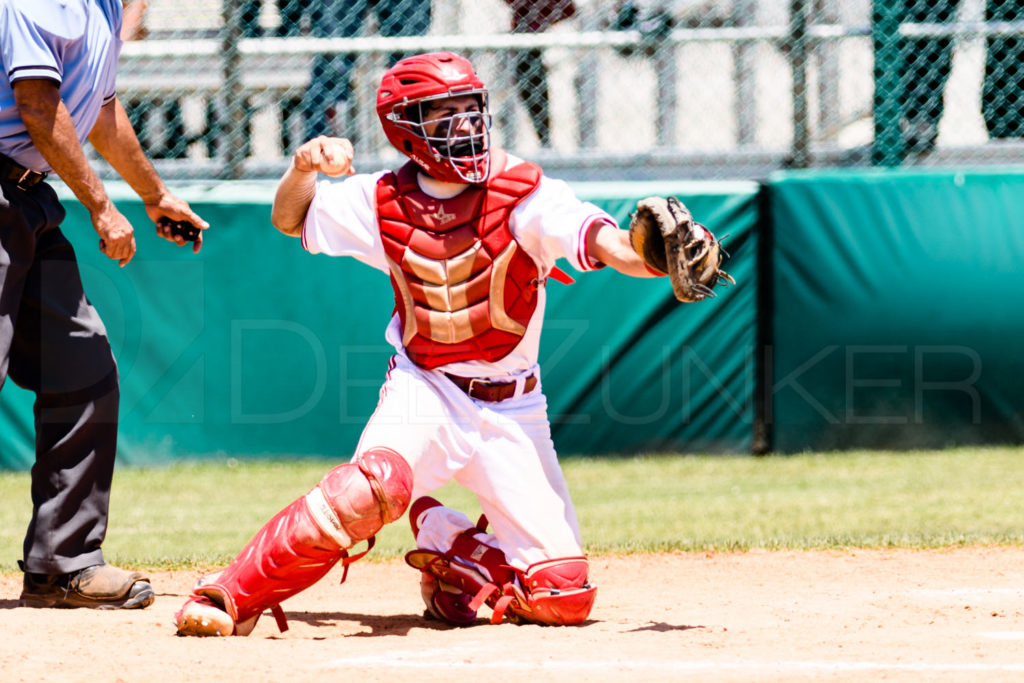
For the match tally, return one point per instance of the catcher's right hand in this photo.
(663, 233)
(327, 155)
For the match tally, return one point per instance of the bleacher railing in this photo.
(724, 101)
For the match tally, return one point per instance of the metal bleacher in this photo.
(770, 84)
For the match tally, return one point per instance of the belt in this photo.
(13, 172)
(486, 390)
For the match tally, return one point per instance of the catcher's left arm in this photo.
(608, 244)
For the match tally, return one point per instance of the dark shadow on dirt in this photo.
(398, 624)
(401, 624)
(661, 627)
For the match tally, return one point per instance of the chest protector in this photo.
(464, 289)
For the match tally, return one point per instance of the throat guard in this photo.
(464, 289)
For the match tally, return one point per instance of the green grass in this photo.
(202, 514)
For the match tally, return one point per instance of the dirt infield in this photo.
(765, 616)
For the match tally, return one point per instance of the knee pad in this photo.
(555, 592)
(353, 501)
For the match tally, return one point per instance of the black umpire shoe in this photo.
(99, 587)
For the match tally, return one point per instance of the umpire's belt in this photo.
(13, 172)
(486, 390)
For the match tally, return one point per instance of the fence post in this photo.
(664, 61)
(233, 108)
(885, 26)
(798, 61)
(508, 123)
(827, 61)
(745, 74)
(586, 83)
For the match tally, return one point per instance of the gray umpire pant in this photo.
(53, 343)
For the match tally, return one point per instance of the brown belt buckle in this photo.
(27, 175)
(472, 382)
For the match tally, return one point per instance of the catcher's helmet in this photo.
(447, 155)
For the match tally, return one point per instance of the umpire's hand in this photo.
(117, 237)
(170, 206)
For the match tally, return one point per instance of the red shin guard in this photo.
(301, 543)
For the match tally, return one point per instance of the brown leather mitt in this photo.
(662, 231)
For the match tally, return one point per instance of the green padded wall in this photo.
(646, 372)
(257, 348)
(897, 309)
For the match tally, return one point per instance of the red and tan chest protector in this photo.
(464, 289)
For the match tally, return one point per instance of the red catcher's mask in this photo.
(451, 154)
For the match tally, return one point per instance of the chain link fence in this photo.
(591, 89)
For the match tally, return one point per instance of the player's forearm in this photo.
(115, 139)
(53, 134)
(610, 245)
(291, 202)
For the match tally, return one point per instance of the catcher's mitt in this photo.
(662, 231)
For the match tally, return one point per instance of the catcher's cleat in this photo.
(446, 602)
(202, 617)
(101, 586)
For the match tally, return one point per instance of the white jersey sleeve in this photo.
(552, 223)
(342, 220)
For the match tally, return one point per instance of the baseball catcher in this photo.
(468, 236)
(662, 231)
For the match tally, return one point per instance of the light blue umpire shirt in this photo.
(73, 42)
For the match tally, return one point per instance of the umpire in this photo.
(59, 64)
